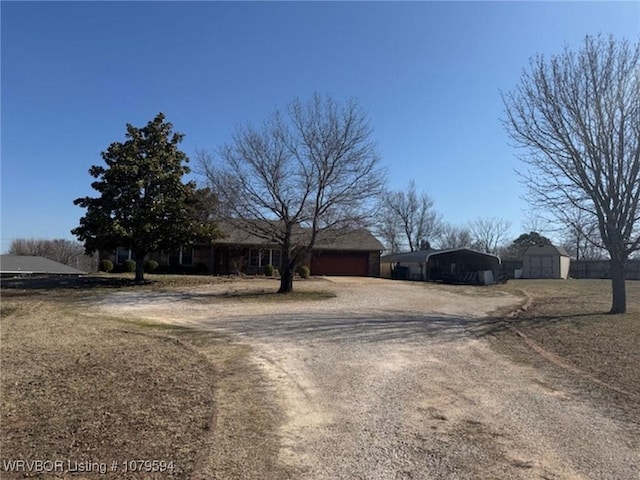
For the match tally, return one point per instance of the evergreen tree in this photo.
(143, 203)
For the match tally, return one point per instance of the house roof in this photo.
(239, 232)
(25, 264)
(358, 239)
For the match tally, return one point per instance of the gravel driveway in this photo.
(395, 380)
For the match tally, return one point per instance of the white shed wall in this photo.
(565, 264)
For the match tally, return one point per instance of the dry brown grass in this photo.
(86, 388)
(567, 319)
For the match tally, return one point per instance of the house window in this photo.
(122, 255)
(255, 257)
(267, 256)
(276, 259)
(183, 256)
(186, 256)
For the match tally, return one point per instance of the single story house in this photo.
(545, 261)
(457, 265)
(354, 252)
(27, 265)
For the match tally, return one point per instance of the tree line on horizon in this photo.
(408, 221)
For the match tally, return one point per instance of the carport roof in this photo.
(25, 264)
(409, 257)
(465, 250)
(423, 255)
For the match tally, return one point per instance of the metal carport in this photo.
(463, 266)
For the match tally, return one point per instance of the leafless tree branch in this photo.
(576, 117)
(315, 166)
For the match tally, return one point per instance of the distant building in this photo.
(545, 261)
(456, 265)
(26, 265)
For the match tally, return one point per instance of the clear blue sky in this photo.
(428, 74)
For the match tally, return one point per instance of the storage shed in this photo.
(545, 261)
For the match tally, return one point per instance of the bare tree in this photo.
(452, 236)
(577, 116)
(388, 229)
(537, 221)
(489, 233)
(409, 215)
(315, 166)
(580, 236)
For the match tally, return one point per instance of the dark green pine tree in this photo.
(143, 203)
(519, 246)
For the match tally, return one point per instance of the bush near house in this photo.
(150, 266)
(303, 271)
(106, 266)
(129, 265)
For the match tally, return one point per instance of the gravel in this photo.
(395, 380)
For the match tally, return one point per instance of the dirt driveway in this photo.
(394, 380)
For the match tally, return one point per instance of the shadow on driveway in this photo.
(356, 328)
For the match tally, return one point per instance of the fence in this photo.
(508, 268)
(601, 269)
(581, 269)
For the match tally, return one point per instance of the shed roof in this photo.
(546, 250)
(26, 264)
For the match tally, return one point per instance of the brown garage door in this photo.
(340, 263)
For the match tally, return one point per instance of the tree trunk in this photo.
(286, 279)
(288, 264)
(619, 303)
(139, 258)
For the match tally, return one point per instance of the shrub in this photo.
(303, 271)
(268, 270)
(106, 265)
(129, 265)
(276, 272)
(150, 266)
